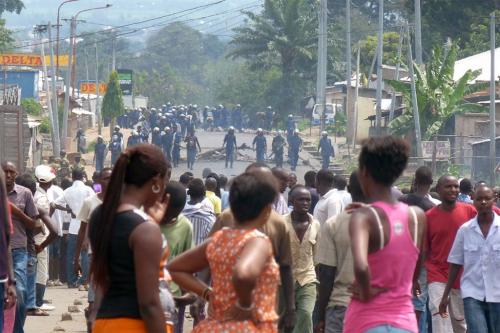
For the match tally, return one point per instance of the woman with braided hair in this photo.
(127, 246)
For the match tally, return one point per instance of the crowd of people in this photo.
(261, 252)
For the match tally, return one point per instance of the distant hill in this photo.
(129, 11)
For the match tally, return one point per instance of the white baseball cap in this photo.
(44, 174)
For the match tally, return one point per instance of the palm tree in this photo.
(439, 97)
(283, 35)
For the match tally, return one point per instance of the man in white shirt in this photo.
(72, 201)
(476, 249)
(199, 211)
(330, 203)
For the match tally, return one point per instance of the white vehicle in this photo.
(331, 110)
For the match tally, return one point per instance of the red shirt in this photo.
(442, 227)
(496, 210)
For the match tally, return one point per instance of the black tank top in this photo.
(120, 300)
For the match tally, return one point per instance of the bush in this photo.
(45, 125)
(31, 106)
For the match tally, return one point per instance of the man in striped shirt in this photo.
(199, 211)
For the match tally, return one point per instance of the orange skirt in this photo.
(124, 325)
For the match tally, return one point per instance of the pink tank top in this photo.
(391, 267)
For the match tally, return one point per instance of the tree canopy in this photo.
(112, 103)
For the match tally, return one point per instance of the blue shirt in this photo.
(260, 142)
(480, 258)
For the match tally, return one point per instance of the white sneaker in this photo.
(46, 307)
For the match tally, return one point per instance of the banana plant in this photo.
(439, 96)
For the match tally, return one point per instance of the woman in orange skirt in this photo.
(244, 273)
(127, 246)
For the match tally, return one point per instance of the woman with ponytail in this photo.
(127, 246)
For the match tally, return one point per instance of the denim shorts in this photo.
(386, 329)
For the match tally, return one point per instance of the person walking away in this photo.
(176, 146)
(277, 230)
(89, 205)
(192, 147)
(475, 249)
(127, 246)
(335, 266)
(7, 278)
(310, 183)
(329, 203)
(340, 184)
(231, 147)
(295, 144)
(443, 222)
(244, 272)
(278, 147)
(211, 188)
(465, 191)
(178, 232)
(81, 141)
(259, 144)
(421, 198)
(386, 243)
(326, 148)
(71, 201)
(304, 234)
(24, 213)
(167, 142)
(100, 152)
(280, 206)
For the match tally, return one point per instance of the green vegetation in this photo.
(45, 126)
(31, 107)
(439, 97)
(112, 103)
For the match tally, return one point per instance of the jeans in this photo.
(20, 263)
(481, 316)
(72, 279)
(386, 329)
(420, 302)
(305, 298)
(31, 283)
(334, 319)
(40, 293)
(179, 325)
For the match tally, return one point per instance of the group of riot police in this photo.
(168, 127)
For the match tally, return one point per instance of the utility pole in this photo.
(418, 33)
(114, 52)
(416, 115)
(64, 133)
(493, 153)
(322, 60)
(55, 96)
(40, 29)
(356, 97)
(348, 56)
(97, 108)
(73, 52)
(380, 52)
(400, 49)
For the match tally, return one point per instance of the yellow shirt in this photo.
(215, 200)
(303, 253)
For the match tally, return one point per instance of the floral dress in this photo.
(222, 253)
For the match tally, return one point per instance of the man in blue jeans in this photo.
(24, 213)
(476, 249)
(72, 201)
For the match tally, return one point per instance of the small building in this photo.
(27, 79)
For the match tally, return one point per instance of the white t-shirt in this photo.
(74, 196)
(88, 207)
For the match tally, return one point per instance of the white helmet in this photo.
(324, 133)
